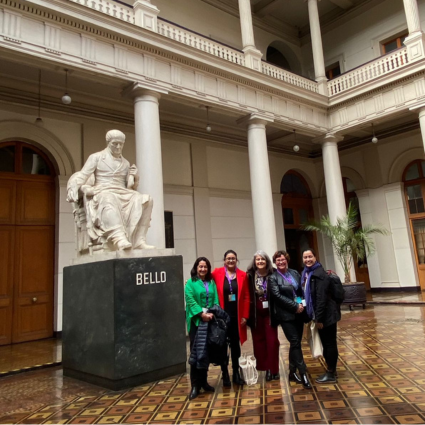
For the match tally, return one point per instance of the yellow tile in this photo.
(198, 405)
(364, 373)
(110, 397)
(221, 412)
(409, 369)
(309, 416)
(250, 402)
(334, 404)
(369, 411)
(169, 416)
(411, 419)
(279, 391)
(409, 390)
(303, 397)
(62, 421)
(420, 381)
(41, 415)
(92, 412)
(176, 399)
(275, 408)
(110, 420)
(356, 394)
(157, 393)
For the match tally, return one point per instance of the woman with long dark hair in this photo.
(233, 293)
(264, 336)
(321, 308)
(200, 295)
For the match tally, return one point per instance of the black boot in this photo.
(208, 387)
(326, 378)
(268, 376)
(194, 393)
(294, 377)
(237, 379)
(276, 376)
(226, 378)
(305, 381)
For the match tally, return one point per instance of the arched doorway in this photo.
(360, 267)
(27, 233)
(414, 191)
(297, 208)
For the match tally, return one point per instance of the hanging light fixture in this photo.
(374, 138)
(66, 98)
(296, 148)
(38, 121)
(208, 127)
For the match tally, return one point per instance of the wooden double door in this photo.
(27, 235)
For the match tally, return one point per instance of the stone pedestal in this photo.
(124, 321)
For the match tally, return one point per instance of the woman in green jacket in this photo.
(200, 295)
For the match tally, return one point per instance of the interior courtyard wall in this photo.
(355, 41)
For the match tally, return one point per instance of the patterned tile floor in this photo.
(381, 380)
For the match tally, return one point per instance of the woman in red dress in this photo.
(233, 294)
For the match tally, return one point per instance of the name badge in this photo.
(204, 310)
(298, 300)
(303, 303)
(265, 304)
(232, 297)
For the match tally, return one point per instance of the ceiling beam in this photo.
(265, 7)
(343, 4)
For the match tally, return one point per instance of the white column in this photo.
(149, 156)
(261, 187)
(252, 55)
(416, 39)
(421, 109)
(422, 124)
(317, 47)
(334, 188)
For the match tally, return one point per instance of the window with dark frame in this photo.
(169, 229)
(333, 71)
(393, 44)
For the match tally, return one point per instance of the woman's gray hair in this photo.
(252, 268)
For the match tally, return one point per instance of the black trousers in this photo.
(293, 331)
(198, 377)
(234, 343)
(330, 347)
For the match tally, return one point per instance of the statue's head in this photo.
(115, 140)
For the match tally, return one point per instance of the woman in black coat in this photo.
(323, 310)
(287, 310)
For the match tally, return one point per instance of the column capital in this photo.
(255, 119)
(328, 138)
(420, 108)
(137, 89)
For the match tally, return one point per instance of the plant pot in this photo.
(355, 293)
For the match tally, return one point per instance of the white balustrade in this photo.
(197, 41)
(368, 72)
(111, 8)
(289, 77)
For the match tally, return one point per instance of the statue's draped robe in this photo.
(113, 209)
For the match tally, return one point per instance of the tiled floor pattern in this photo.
(30, 355)
(381, 380)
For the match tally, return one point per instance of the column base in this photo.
(145, 15)
(322, 84)
(415, 46)
(253, 58)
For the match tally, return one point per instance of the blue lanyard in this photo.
(207, 290)
(230, 280)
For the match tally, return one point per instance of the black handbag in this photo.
(217, 332)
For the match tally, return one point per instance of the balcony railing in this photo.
(111, 8)
(288, 77)
(193, 39)
(369, 71)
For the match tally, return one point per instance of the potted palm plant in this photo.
(351, 242)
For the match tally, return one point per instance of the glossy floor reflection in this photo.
(381, 380)
(29, 355)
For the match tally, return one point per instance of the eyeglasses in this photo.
(231, 259)
(280, 261)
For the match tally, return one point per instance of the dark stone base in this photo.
(124, 321)
(133, 381)
(398, 289)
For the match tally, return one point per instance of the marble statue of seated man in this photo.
(117, 216)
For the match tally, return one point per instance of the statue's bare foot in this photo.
(144, 245)
(124, 245)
